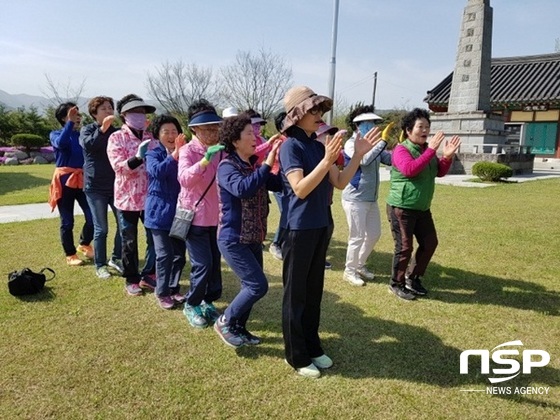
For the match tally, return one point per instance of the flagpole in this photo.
(333, 59)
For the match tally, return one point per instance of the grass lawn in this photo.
(25, 184)
(83, 349)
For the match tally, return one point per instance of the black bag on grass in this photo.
(27, 282)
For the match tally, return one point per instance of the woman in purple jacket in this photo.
(242, 186)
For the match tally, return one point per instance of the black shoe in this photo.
(415, 286)
(400, 291)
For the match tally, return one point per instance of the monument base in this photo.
(483, 139)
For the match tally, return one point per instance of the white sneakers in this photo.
(312, 371)
(353, 279)
(356, 279)
(365, 273)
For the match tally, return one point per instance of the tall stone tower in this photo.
(470, 89)
(469, 112)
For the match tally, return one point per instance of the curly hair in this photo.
(62, 111)
(96, 102)
(279, 120)
(360, 108)
(126, 99)
(230, 131)
(160, 120)
(408, 121)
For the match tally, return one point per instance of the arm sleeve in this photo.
(191, 172)
(62, 139)
(157, 167)
(443, 166)
(118, 156)
(239, 185)
(386, 158)
(410, 167)
(91, 137)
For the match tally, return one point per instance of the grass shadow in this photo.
(45, 295)
(452, 285)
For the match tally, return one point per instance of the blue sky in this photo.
(114, 44)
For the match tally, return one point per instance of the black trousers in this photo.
(303, 275)
(406, 224)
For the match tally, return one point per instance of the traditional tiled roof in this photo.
(516, 82)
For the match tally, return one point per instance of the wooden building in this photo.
(526, 91)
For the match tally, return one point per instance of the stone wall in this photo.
(520, 163)
(16, 156)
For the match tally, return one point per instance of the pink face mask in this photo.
(136, 121)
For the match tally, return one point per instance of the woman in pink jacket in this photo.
(198, 161)
(126, 150)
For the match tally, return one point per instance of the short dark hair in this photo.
(126, 99)
(96, 102)
(279, 120)
(199, 106)
(360, 108)
(408, 121)
(230, 130)
(62, 111)
(161, 120)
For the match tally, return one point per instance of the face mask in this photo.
(136, 121)
(257, 130)
(365, 126)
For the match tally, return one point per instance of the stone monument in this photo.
(469, 112)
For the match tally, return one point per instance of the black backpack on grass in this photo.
(27, 282)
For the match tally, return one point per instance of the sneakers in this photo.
(400, 291)
(209, 312)
(228, 333)
(415, 286)
(165, 302)
(353, 279)
(86, 250)
(310, 371)
(194, 316)
(103, 272)
(178, 297)
(117, 265)
(328, 265)
(133, 289)
(248, 338)
(73, 260)
(322, 362)
(276, 251)
(365, 273)
(147, 283)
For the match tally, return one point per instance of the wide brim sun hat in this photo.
(299, 100)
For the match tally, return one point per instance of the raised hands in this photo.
(107, 121)
(436, 140)
(333, 146)
(275, 141)
(142, 149)
(451, 147)
(364, 144)
(179, 142)
(73, 115)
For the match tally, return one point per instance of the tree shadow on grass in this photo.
(16, 181)
(452, 285)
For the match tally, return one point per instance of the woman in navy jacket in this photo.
(161, 202)
(243, 185)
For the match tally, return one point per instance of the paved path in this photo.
(42, 211)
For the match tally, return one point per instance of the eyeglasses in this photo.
(316, 110)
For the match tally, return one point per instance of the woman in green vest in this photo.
(415, 167)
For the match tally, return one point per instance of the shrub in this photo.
(29, 141)
(491, 171)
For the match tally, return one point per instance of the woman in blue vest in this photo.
(415, 167)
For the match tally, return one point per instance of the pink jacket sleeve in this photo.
(410, 167)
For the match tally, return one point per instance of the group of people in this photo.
(147, 171)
